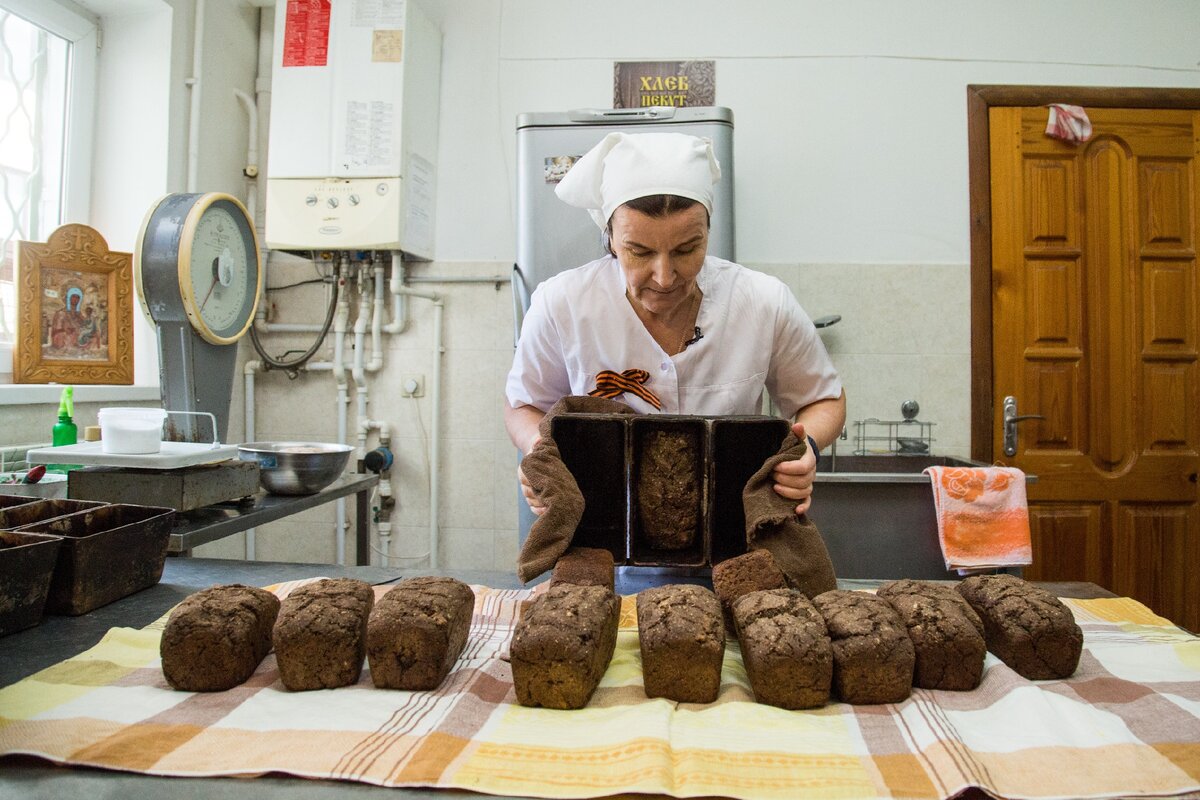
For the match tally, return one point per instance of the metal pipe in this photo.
(460, 279)
(248, 372)
(193, 83)
(376, 362)
(251, 168)
(343, 396)
(399, 301)
(435, 436)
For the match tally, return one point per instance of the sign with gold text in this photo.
(641, 84)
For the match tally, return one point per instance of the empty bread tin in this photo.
(26, 564)
(108, 552)
(20, 515)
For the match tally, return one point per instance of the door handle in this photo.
(1011, 418)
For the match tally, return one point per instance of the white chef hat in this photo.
(626, 166)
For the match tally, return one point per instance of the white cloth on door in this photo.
(624, 167)
(755, 336)
(1068, 123)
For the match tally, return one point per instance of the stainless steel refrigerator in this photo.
(553, 236)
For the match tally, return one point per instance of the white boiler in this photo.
(354, 126)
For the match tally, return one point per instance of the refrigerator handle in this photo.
(620, 114)
(518, 287)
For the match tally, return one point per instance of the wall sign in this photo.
(306, 33)
(640, 84)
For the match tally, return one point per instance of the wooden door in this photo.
(1094, 319)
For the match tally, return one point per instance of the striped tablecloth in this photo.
(1128, 723)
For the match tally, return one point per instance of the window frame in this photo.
(82, 30)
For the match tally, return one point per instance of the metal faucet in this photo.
(833, 450)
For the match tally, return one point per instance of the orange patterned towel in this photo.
(982, 516)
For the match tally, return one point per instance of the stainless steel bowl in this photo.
(296, 467)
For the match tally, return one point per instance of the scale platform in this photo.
(184, 476)
(173, 455)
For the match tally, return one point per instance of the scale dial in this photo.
(197, 254)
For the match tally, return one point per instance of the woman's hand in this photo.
(794, 479)
(535, 505)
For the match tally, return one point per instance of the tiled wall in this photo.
(903, 335)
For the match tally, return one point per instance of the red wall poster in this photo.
(306, 33)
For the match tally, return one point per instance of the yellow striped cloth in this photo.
(1128, 723)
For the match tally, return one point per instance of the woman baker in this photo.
(660, 323)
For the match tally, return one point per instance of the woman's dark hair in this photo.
(652, 205)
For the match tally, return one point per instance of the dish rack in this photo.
(907, 436)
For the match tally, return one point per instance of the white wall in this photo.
(850, 118)
(130, 153)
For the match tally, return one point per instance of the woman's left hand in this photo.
(794, 479)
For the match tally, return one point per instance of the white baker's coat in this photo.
(756, 336)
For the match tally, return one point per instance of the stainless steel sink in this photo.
(876, 515)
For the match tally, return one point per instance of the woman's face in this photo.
(660, 256)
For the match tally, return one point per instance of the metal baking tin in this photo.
(603, 453)
(17, 516)
(108, 552)
(26, 564)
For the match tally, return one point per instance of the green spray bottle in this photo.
(65, 431)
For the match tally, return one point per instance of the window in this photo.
(47, 79)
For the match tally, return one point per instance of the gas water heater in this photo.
(354, 126)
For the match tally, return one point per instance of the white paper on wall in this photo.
(419, 186)
(377, 14)
(369, 134)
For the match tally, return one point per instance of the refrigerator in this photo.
(553, 236)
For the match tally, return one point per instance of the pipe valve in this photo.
(378, 460)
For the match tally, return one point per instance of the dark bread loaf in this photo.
(785, 648)
(668, 495)
(946, 633)
(217, 637)
(562, 645)
(1027, 628)
(321, 634)
(584, 566)
(417, 631)
(750, 572)
(682, 638)
(872, 655)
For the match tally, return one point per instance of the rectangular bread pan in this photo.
(739, 447)
(10, 500)
(18, 516)
(655, 490)
(593, 449)
(26, 564)
(107, 553)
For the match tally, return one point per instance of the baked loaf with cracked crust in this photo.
(946, 633)
(417, 631)
(681, 634)
(217, 637)
(785, 648)
(873, 657)
(668, 495)
(321, 634)
(1027, 628)
(585, 566)
(752, 571)
(562, 645)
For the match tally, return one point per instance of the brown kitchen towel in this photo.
(772, 525)
(553, 484)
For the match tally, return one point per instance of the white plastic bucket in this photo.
(131, 430)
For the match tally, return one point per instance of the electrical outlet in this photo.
(412, 385)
